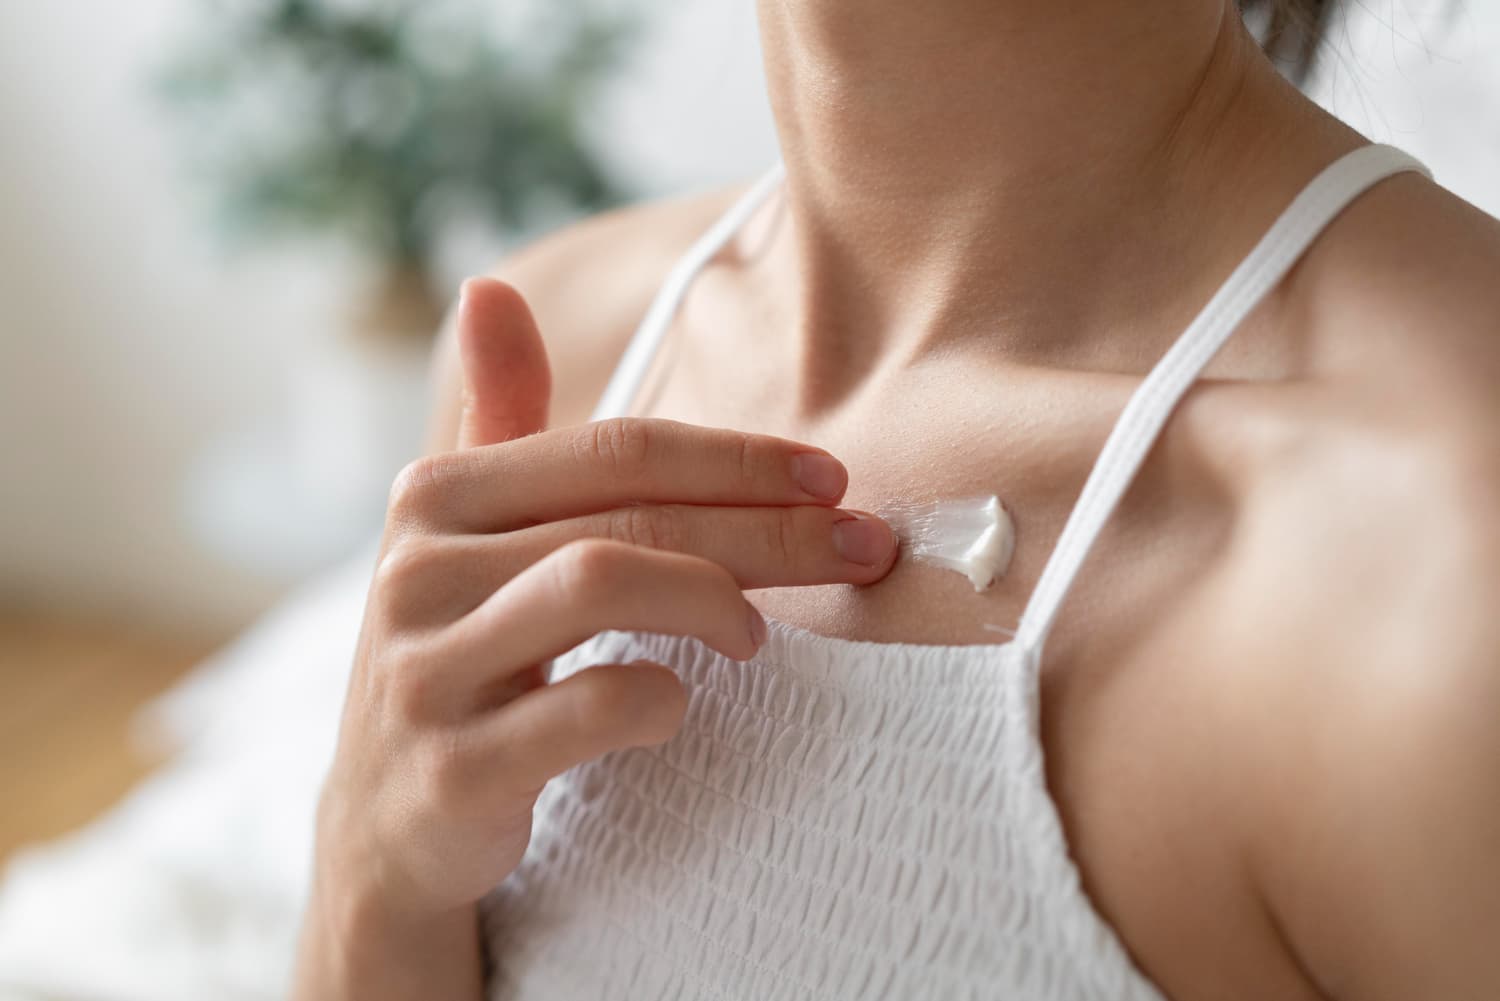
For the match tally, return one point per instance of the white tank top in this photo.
(841, 819)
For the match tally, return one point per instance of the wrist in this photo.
(353, 946)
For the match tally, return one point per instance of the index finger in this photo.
(609, 464)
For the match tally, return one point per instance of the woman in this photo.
(1264, 710)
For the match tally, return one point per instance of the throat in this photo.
(1054, 183)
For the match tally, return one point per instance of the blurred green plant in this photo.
(387, 120)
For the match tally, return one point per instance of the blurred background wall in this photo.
(132, 344)
(135, 352)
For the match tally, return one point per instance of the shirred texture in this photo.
(835, 820)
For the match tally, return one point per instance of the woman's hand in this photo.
(497, 557)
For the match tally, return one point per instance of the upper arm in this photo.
(1378, 848)
(1383, 868)
(588, 287)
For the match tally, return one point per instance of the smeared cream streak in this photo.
(973, 536)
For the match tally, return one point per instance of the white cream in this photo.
(973, 536)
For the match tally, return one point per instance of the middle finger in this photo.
(760, 547)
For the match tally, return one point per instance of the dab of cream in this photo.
(974, 536)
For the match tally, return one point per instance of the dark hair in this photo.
(1291, 31)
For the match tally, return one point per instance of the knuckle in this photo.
(406, 564)
(590, 567)
(651, 527)
(425, 581)
(412, 485)
(405, 680)
(595, 702)
(623, 446)
(441, 771)
(419, 487)
(782, 538)
(413, 578)
(746, 459)
(641, 705)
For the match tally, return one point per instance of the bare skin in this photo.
(1268, 702)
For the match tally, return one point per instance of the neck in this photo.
(1027, 172)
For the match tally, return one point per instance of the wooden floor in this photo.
(68, 692)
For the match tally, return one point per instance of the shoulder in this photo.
(588, 285)
(1371, 655)
(1363, 608)
(1381, 454)
(1392, 321)
(1371, 545)
(1400, 295)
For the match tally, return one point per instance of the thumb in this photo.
(507, 383)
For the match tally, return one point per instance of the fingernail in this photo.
(820, 475)
(863, 539)
(757, 628)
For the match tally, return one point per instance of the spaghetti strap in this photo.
(644, 344)
(1153, 401)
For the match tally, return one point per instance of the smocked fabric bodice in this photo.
(836, 820)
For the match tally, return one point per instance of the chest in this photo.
(1138, 759)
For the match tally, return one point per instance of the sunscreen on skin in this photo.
(972, 536)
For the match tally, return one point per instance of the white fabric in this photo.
(850, 820)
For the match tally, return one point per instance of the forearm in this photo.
(351, 949)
